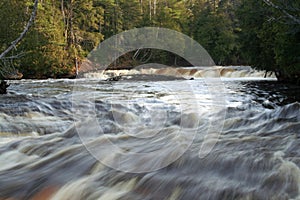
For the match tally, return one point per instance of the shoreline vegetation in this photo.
(58, 37)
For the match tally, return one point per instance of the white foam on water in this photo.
(14, 158)
(187, 72)
(251, 159)
(79, 190)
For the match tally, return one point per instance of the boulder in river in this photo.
(3, 87)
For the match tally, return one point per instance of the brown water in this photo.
(142, 140)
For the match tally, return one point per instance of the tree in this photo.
(44, 46)
(264, 34)
(22, 35)
(131, 14)
(270, 37)
(289, 9)
(62, 36)
(214, 29)
(8, 70)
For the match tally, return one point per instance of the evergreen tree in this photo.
(44, 45)
(13, 15)
(263, 34)
(269, 39)
(214, 29)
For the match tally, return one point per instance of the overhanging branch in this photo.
(22, 35)
(270, 3)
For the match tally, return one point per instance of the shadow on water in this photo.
(276, 92)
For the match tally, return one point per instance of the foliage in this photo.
(261, 33)
(214, 29)
(12, 21)
(269, 39)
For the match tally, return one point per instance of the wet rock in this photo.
(115, 78)
(3, 87)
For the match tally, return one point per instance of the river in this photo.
(144, 137)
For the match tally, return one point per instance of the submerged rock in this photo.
(115, 78)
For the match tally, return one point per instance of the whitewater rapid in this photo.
(232, 72)
(94, 139)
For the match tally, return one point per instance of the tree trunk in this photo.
(3, 84)
(22, 35)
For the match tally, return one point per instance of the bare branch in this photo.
(14, 56)
(270, 3)
(22, 35)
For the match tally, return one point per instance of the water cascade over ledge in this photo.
(62, 143)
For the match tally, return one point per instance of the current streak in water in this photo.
(255, 157)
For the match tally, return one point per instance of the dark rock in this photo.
(115, 78)
(3, 87)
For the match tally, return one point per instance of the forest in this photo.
(264, 34)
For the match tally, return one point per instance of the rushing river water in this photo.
(135, 139)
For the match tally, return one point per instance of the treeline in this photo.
(261, 33)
